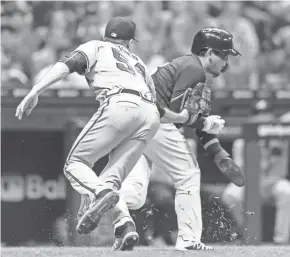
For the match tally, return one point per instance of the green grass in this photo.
(220, 251)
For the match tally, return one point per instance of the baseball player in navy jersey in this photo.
(123, 125)
(168, 150)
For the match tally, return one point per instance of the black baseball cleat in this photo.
(126, 237)
(104, 201)
(184, 245)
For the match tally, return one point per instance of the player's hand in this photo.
(184, 114)
(213, 124)
(27, 104)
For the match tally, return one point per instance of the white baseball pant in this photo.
(169, 152)
(122, 127)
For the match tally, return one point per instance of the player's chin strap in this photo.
(225, 68)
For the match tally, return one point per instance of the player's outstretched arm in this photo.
(75, 62)
(221, 158)
(173, 117)
(56, 73)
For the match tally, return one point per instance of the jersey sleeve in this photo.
(89, 50)
(76, 62)
(206, 139)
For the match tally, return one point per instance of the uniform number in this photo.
(141, 70)
(123, 65)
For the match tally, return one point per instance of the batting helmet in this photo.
(214, 38)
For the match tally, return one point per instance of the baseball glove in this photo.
(197, 101)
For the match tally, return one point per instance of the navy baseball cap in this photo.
(120, 28)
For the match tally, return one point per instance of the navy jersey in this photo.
(172, 79)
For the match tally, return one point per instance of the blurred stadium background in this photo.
(38, 208)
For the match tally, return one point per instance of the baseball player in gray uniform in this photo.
(125, 122)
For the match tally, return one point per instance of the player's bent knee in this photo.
(136, 201)
(65, 170)
(136, 206)
(68, 167)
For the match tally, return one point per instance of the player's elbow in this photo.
(62, 68)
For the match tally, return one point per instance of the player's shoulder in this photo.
(191, 66)
(88, 46)
(189, 60)
(96, 43)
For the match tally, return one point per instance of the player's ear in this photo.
(129, 43)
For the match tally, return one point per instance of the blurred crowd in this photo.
(35, 34)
